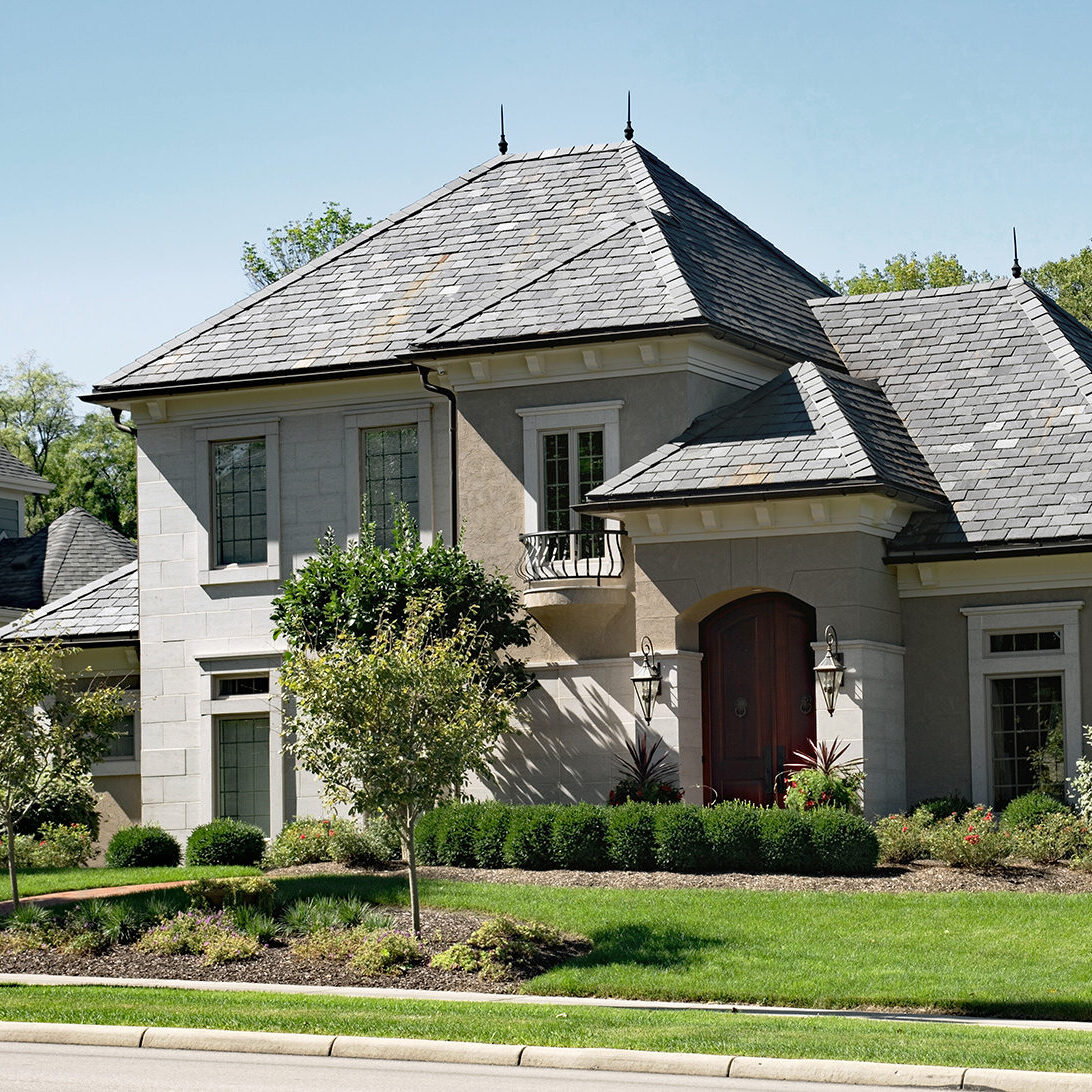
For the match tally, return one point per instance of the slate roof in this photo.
(72, 550)
(994, 384)
(600, 239)
(17, 475)
(810, 430)
(104, 610)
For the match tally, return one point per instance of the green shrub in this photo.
(62, 804)
(1056, 837)
(810, 788)
(1031, 808)
(786, 841)
(579, 837)
(631, 837)
(902, 837)
(306, 917)
(252, 922)
(225, 842)
(734, 832)
(230, 947)
(529, 842)
(194, 932)
(943, 807)
(456, 837)
(681, 843)
(143, 847)
(844, 844)
(26, 851)
(356, 846)
(502, 948)
(974, 841)
(493, 820)
(210, 893)
(387, 953)
(330, 944)
(63, 846)
(426, 832)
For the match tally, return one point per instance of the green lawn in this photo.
(44, 881)
(993, 954)
(559, 1025)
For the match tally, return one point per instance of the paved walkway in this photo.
(62, 898)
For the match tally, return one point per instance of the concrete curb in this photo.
(583, 1058)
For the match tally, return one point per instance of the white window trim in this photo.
(390, 416)
(540, 419)
(984, 666)
(124, 765)
(209, 572)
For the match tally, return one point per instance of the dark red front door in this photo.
(758, 694)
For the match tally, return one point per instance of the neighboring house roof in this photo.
(603, 239)
(71, 551)
(994, 384)
(104, 610)
(15, 474)
(810, 430)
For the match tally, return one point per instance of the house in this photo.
(660, 427)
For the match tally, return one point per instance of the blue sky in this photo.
(143, 143)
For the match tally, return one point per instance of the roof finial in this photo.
(628, 132)
(1016, 271)
(502, 143)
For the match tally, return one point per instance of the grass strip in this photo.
(46, 881)
(549, 1025)
(1004, 954)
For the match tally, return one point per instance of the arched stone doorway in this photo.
(758, 694)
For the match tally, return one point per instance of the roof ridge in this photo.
(621, 223)
(46, 609)
(1037, 306)
(53, 561)
(913, 293)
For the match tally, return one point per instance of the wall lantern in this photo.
(831, 671)
(647, 680)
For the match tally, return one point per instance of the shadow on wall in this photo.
(566, 755)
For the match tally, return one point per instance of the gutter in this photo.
(970, 552)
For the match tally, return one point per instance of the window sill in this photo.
(116, 767)
(239, 574)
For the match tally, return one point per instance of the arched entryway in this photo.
(758, 694)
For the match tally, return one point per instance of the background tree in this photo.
(902, 273)
(298, 242)
(50, 732)
(393, 723)
(1069, 281)
(355, 589)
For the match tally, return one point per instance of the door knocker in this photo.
(807, 704)
(741, 707)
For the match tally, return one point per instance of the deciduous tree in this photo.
(1069, 281)
(902, 273)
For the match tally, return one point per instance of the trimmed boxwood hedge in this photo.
(731, 837)
(143, 847)
(225, 842)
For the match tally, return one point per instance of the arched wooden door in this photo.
(758, 694)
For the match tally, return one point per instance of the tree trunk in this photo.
(411, 857)
(11, 864)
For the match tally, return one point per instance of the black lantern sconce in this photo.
(647, 679)
(831, 670)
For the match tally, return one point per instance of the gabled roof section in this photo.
(15, 474)
(72, 550)
(810, 430)
(994, 384)
(105, 609)
(598, 239)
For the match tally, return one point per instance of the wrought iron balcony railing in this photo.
(555, 555)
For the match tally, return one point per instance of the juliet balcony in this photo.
(573, 569)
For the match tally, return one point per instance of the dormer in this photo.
(16, 481)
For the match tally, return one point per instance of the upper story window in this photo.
(9, 517)
(391, 472)
(239, 501)
(1039, 640)
(572, 466)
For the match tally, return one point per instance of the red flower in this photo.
(302, 836)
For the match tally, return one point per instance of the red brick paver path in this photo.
(59, 898)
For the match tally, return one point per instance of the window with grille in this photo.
(239, 502)
(572, 466)
(241, 686)
(391, 477)
(243, 746)
(1025, 712)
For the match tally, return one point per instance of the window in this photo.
(123, 745)
(9, 518)
(389, 461)
(572, 466)
(239, 502)
(244, 769)
(1025, 693)
(240, 686)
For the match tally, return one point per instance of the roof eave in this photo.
(969, 551)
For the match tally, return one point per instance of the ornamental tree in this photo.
(395, 721)
(51, 733)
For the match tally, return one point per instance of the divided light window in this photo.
(9, 517)
(244, 769)
(239, 507)
(572, 466)
(391, 477)
(1025, 712)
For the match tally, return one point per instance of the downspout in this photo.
(127, 429)
(449, 394)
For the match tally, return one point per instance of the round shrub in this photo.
(734, 832)
(681, 844)
(360, 846)
(493, 820)
(62, 805)
(529, 843)
(426, 831)
(943, 807)
(844, 844)
(902, 838)
(456, 836)
(631, 837)
(786, 841)
(225, 842)
(579, 837)
(143, 847)
(302, 841)
(1031, 808)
